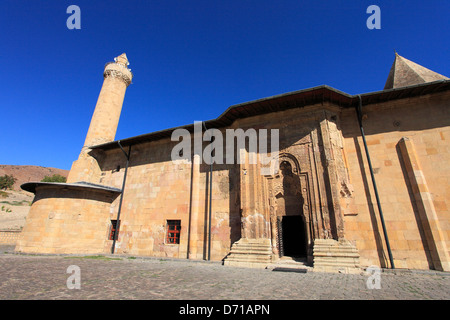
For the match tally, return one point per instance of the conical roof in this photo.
(405, 73)
(122, 59)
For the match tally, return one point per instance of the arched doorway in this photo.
(292, 241)
(291, 228)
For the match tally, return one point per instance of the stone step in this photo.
(249, 258)
(330, 247)
(253, 252)
(255, 241)
(335, 245)
(334, 261)
(332, 255)
(325, 241)
(337, 254)
(250, 253)
(265, 248)
(289, 264)
(323, 246)
(252, 244)
(330, 242)
(245, 257)
(258, 248)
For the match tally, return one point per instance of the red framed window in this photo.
(173, 231)
(113, 230)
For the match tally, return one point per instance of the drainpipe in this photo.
(210, 203)
(359, 114)
(116, 234)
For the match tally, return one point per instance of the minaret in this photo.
(117, 77)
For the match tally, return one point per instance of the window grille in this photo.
(173, 231)
(113, 230)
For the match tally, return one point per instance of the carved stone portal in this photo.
(289, 210)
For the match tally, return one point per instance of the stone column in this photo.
(424, 203)
(194, 235)
(330, 163)
(254, 220)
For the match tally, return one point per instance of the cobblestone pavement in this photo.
(28, 277)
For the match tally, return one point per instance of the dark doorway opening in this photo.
(293, 236)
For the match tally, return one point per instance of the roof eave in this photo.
(284, 101)
(31, 186)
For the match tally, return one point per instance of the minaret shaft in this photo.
(106, 115)
(104, 122)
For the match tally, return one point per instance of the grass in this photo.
(17, 203)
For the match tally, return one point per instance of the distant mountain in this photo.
(29, 173)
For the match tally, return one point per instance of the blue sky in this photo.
(191, 60)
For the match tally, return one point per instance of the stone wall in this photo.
(9, 236)
(67, 220)
(158, 190)
(424, 121)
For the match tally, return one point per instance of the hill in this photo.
(14, 208)
(29, 173)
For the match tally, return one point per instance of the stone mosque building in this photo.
(361, 180)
